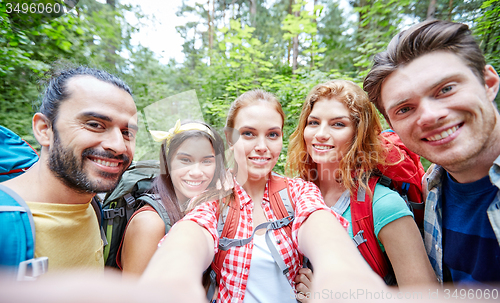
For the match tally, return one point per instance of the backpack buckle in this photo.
(281, 223)
(359, 238)
(38, 267)
(112, 213)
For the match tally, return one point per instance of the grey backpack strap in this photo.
(342, 203)
(286, 201)
(154, 202)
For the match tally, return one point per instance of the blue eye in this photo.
(446, 89)
(339, 124)
(247, 134)
(312, 123)
(403, 110)
(274, 135)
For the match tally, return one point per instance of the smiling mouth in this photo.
(104, 163)
(443, 134)
(193, 183)
(259, 159)
(323, 147)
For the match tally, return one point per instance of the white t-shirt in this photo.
(266, 282)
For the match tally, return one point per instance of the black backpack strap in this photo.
(96, 204)
(155, 203)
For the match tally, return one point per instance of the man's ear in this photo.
(42, 129)
(491, 82)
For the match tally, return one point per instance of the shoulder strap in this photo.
(280, 200)
(31, 268)
(227, 224)
(154, 202)
(363, 229)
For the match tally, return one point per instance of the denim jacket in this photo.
(433, 233)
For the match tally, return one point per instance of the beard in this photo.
(69, 168)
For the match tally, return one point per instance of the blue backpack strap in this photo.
(22, 250)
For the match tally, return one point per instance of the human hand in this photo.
(303, 282)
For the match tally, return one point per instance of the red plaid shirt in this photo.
(307, 199)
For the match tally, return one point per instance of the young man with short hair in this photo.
(434, 88)
(86, 128)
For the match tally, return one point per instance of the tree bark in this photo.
(253, 12)
(431, 10)
(295, 46)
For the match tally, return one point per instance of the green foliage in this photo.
(248, 51)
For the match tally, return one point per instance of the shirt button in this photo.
(278, 242)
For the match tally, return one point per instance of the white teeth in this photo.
(322, 147)
(443, 134)
(259, 159)
(106, 163)
(193, 183)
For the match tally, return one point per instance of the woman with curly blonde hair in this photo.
(337, 145)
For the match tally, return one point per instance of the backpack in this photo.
(405, 177)
(283, 208)
(131, 193)
(16, 155)
(17, 229)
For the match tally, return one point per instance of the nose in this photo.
(261, 144)
(195, 170)
(430, 113)
(114, 141)
(322, 133)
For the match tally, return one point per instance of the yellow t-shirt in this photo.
(68, 234)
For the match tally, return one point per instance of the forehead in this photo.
(90, 95)
(420, 75)
(329, 107)
(258, 114)
(198, 145)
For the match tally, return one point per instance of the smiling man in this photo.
(86, 128)
(436, 91)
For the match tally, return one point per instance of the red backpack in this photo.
(405, 177)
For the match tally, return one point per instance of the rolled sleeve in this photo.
(307, 198)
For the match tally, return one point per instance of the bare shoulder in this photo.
(147, 221)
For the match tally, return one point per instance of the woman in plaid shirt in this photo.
(254, 131)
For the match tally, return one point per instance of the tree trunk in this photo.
(431, 10)
(210, 37)
(450, 9)
(253, 12)
(295, 46)
(112, 48)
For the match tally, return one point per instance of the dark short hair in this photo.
(57, 90)
(418, 40)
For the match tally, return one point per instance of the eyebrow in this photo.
(105, 118)
(252, 128)
(334, 118)
(188, 155)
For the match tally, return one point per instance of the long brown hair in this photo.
(365, 151)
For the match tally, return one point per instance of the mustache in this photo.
(105, 154)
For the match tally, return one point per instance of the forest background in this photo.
(282, 46)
